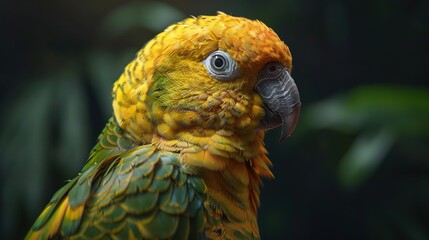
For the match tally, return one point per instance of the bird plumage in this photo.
(183, 154)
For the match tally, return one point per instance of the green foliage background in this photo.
(357, 166)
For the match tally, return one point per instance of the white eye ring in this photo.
(221, 66)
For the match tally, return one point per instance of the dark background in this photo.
(357, 166)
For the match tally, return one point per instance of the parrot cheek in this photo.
(281, 97)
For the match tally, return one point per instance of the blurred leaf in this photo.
(154, 16)
(404, 110)
(23, 143)
(379, 116)
(363, 157)
(72, 148)
(47, 128)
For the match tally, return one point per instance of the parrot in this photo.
(183, 155)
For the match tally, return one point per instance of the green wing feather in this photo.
(126, 191)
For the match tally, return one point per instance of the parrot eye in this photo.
(221, 66)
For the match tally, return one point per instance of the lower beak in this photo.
(281, 97)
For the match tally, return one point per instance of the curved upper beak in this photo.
(281, 97)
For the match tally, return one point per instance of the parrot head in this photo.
(205, 76)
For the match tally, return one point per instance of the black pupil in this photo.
(272, 68)
(219, 62)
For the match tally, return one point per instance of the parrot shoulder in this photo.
(128, 191)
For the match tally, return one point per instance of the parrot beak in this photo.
(281, 96)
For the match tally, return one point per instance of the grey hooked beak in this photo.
(281, 96)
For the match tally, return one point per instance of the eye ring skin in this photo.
(227, 72)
